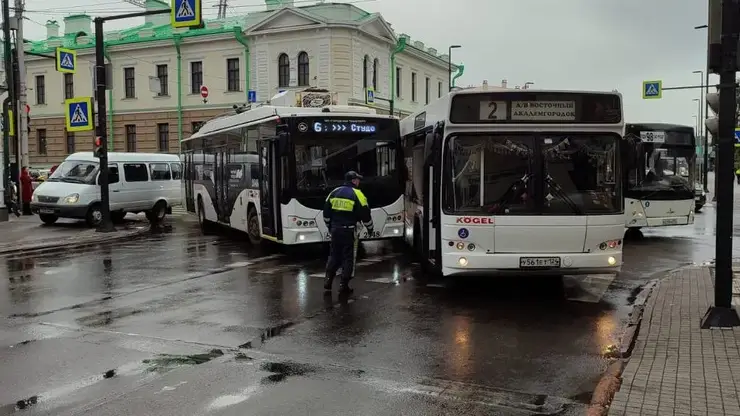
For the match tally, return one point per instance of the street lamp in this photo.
(705, 90)
(449, 64)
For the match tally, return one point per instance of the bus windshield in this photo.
(322, 161)
(551, 174)
(661, 170)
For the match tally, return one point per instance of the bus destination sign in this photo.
(522, 107)
(350, 127)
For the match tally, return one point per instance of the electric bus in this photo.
(506, 181)
(659, 168)
(268, 170)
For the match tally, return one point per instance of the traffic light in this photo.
(712, 122)
(98, 152)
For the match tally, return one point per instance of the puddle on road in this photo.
(268, 333)
(165, 362)
(282, 370)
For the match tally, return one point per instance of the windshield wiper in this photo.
(71, 180)
(560, 193)
(502, 203)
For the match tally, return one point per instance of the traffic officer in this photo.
(344, 208)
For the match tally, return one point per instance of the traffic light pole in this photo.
(101, 126)
(11, 97)
(722, 314)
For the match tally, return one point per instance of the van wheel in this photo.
(205, 225)
(157, 214)
(48, 219)
(94, 215)
(117, 217)
(253, 227)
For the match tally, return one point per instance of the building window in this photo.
(70, 143)
(41, 136)
(283, 70)
(398, 82)
(427, 86)
(196, 77)
(365, 70)
(69, 86)
(163, 136)
(232, 74)
(413, 86)
(40, 89)
(195, 126)
(303, 70)
(129, 80)
(130, 137)
(162, 75)
(439, 89)
(376, 67)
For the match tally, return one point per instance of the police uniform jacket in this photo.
(346, 206)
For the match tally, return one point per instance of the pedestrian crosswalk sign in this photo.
(652, 90)
(66, 61)
(79, 114)
(186, 13)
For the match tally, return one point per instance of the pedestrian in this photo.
(26, 190)
(344, 208)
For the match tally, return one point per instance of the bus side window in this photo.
(254, 175)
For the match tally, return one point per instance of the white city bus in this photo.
(659, 168)
(268, 170)
(516, 181)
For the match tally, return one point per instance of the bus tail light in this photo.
(301, 222)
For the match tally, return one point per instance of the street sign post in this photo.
(78, 114)
(204, 93)
(652, 90)
(252, 96)
(369, 96)
(186, 13)
(66, 61)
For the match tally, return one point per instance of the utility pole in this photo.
(722, 313)
(9, 101)
(22, 132)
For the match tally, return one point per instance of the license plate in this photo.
(538, 262)
(670, 221)
(46, 211)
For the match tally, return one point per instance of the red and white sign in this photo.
(204, 91)
(474, 220)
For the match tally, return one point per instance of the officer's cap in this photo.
(352, 175)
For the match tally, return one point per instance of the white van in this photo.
(138, 182)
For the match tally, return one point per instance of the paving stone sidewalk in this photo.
(676, 368)
(28, 233)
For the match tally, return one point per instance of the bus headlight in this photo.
(462, 261)
(301, 222)
(460, 245)
(612, 261)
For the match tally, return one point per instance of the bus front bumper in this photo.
(509, 264)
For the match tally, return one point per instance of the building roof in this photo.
(329, 13)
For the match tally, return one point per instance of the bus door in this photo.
(269, 187)
(431, 207)
(221, 185)
(189, 177)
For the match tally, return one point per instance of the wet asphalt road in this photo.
(184, 324)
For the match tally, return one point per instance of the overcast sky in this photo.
(568, 44)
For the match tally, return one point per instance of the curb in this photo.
(611, 380)
(70, 244)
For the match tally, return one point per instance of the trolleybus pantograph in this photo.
(509, 181)
(267, 171)
(659, 168)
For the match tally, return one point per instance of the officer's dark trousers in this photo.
(342, 254)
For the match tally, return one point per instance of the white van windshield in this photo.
(74, 171)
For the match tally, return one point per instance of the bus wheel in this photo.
(253, 227)
(205, 227)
